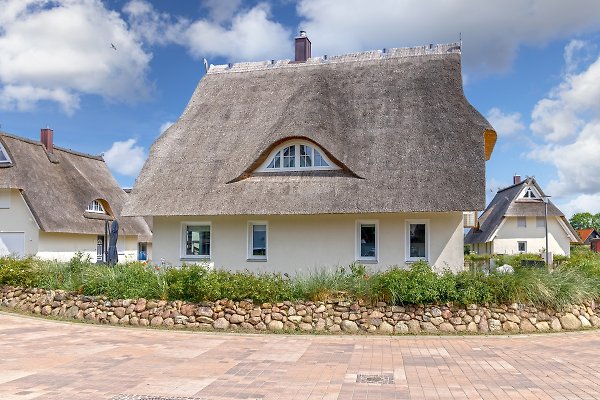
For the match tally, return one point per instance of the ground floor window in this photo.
(197, 240)
(417, 240)
(257, 240)
(367, 241)
(100, 249)
(522, 247)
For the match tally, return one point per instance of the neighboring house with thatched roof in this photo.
(292, 165)
(587, 235)
(514, 222)
(55, 202)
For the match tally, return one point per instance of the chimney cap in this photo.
(302, 33)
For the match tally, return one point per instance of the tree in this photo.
(585, 220)
(581, 220)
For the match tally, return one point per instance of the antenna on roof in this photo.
(460, 39)
(205, 65)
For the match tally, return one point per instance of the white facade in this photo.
(300, 243)
(21, 236)
(511, 232)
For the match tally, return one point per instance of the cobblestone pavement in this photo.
(41, 359)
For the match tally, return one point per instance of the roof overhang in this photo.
(489, 137)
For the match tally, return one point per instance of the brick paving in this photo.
(41, 359)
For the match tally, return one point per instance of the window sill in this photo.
(416, 260)
(256, 259)
(198, 258)
(367, 261)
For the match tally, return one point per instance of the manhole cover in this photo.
(382, 379)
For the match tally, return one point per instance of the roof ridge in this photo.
(38, 143)
(396, 52)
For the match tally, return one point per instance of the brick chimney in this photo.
(516, 179)
(302, 48)
(46, 137)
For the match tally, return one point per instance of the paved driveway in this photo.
(42, 359)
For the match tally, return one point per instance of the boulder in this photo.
(570, 322)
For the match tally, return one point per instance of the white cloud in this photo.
(582, 203)
(152, 26)
(568, 121)
(222, 10)
(505, 124)
(57, 50)
(165, 126)
(251, 35)
(125, 157)
(492, 30)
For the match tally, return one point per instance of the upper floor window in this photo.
(96, 207)
(529, 194)
(297, 156)
(4, 158)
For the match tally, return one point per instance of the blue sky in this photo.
(532, 67)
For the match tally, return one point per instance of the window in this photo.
(367, 241)
(142, 251)
(196, 240)
(95, 207)
(417, 240)
(529, 194)
(521, 222)
(299, 156)
(540, 222)
(4, 158)
(522, 247)
(257, 240)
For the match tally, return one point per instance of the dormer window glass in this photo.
(529, 194)
(95, 207)
(4, 158)
(298, 156)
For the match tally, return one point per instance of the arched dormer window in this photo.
(297, 156)
(96, 207)
(4, 158)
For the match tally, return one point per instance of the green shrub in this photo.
(16, 272)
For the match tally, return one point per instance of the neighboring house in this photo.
(286, 166)
(514, 222)
(55, 202)
(587, 235)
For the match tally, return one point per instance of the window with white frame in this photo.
(417, 240)
(257, 240)
(196, 240)
(96, 207)
(521, 222)
(4, 158)
(540, 222)
(297, 156)
(522, 247)
(367, 247)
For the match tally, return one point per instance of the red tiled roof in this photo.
(584, 233)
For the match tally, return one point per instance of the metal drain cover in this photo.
(382, 379)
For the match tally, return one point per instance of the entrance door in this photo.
(12, 243)
(100, 249)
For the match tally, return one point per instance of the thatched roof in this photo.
(397, 123)
(58, 187)
(507, 204)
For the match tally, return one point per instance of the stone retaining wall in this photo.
(330, 316)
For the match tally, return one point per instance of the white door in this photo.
(12, 243)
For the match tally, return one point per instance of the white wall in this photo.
(63, 246)
(509, 234)
(305, 242)
(15, 217)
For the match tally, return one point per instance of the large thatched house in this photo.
(55, 202)
(515, 222)
(317, 162)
